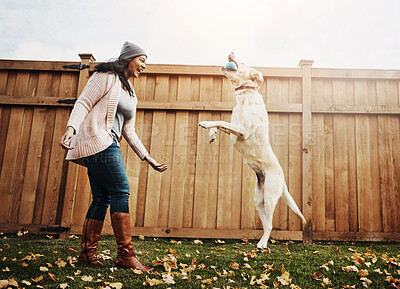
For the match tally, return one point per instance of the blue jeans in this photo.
(109, 183)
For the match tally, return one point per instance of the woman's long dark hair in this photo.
(117, 67)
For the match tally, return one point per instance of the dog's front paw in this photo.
(204, 124)
(212, 134)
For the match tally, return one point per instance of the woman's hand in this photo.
(66, 138)
(157, 166)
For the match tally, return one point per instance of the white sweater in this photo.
(93, 116)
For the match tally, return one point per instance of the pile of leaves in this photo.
(30, 261)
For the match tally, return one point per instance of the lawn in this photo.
(35, 261)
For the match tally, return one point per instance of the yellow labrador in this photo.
(250, 135)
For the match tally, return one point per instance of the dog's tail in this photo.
(292, 204)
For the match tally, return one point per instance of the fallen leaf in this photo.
(43, 269)
(137, 271)
(38, 279)
(350, 269)
(285, 278)
(315, 253)
(363, 273)
(168, 279)
(141, 237)
(87, 278)
(26, 283)
(71, 250)
(198, 242)
(13, 282)
(234, 265)
(63, 285)
(316, 275)
(53, 277)
(326, 281)
(6, 269)
(153, 282)
(116, 285)
(60, 263)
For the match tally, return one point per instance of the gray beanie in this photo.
(130, 50)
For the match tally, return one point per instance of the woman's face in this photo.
(136, 66)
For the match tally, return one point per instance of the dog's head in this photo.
(243, 76)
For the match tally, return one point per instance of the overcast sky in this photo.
(269, 33)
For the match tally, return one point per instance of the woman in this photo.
(103, 113)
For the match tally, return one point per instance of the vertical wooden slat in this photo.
(179, 158)
(341, 160)
(389, 143)
(279, 138)
(294, 175)
(21, 90)
(158, 148)
(329, 161)
(206, 166)
(307, 149)
(10, 158)
(366, 132)
(352, 161)
(225, 177)
(168, 158)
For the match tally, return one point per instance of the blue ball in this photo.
(231, 66)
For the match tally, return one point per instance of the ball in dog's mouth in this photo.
(231, 65)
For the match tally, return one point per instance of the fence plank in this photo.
(34, 156)
(389, 142)
(154, 180)
(7, 176)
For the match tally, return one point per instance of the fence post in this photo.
(307, 139)
(72, 168)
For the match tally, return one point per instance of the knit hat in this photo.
(130, 50)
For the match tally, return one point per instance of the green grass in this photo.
(225, 265)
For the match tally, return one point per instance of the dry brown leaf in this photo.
(350, 269)
(316, 275)
(153, 282)
(38, 279)
(363, 273)
(53, 277)
(71, 250)
(234, 265)
(285, 278)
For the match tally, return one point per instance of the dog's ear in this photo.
(256, 75)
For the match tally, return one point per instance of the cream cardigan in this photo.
(93, 116)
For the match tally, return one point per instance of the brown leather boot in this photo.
(126, 258)
(89, 241)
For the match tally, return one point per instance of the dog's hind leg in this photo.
(265, 202)
(260, 206)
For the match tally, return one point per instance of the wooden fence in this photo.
(336, 133)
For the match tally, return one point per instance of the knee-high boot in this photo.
(90, 239)
(126, 258)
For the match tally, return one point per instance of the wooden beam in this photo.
(356, 109)
(307, 139)
(357, 236)
(355, 73)
(200, 233)
(36, 65)
(151, 68)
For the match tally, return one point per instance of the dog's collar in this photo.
(245, 87)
